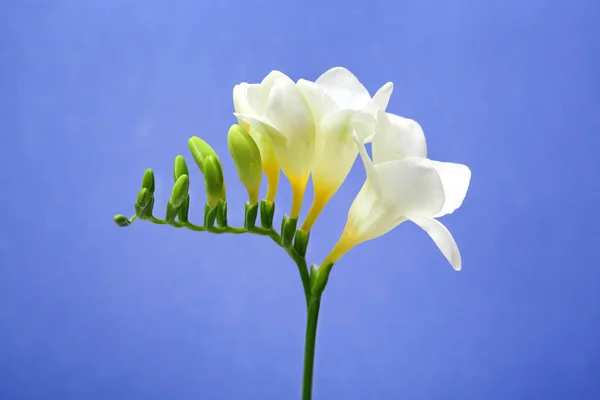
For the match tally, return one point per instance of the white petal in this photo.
(397, 138)
(258, 93)
(263, 125)
(273, 76)
(287, 110)
(343, 87)
(442, 238)
(344, 122)
(240, 101)
(381, 98)
(412, 186)
(318, 101)
(368, 217)
(372, 175)
(455, 179)
(336, 149)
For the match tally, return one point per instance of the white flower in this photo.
(341, 106)
(276, 113)
(401, 185)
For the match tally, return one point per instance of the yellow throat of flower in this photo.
(346, 242)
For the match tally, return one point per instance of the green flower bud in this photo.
(200, 150)
(213, 180)
(144, 204)
(143, 198)
(148, 180)
(250, 218)
(267, 210)
(180, 168)
(122, 220)
(288, 229)
(180, 190)
(301, 241)
(246, 155)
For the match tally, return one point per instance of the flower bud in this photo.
(246, 155)
(200, 150)
(122, 220)
(148, 180)
(213, 180)
(180, 190)
(144, 204)
(180, 168)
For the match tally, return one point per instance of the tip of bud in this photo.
(148, 180)
(200, 151)
(180, 167)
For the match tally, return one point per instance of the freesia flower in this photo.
(277, 116)
(341, 106)
(403, 184)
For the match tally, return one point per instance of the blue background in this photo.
(92, 93)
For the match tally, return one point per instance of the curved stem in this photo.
(309, 346)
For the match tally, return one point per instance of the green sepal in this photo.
(267, 210)
(148, 180)
(222, 214)
(180, 168)
(301, 241)
(210, 213)
(171, 213)
(251, 211)
(313, 276)
(288, 229)
(319, 278)
(121, 220)
(182, 213)
(144, 204)
(180, 190)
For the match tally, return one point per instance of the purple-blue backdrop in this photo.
(92, 93)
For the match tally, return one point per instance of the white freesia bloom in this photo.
(341, 107)
(276, 110)
(401, 185)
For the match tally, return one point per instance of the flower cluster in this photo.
(318, 129)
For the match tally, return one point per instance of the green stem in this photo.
(309, 347)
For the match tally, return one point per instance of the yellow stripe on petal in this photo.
(272, 174)
(320, 200)
(298, 188)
